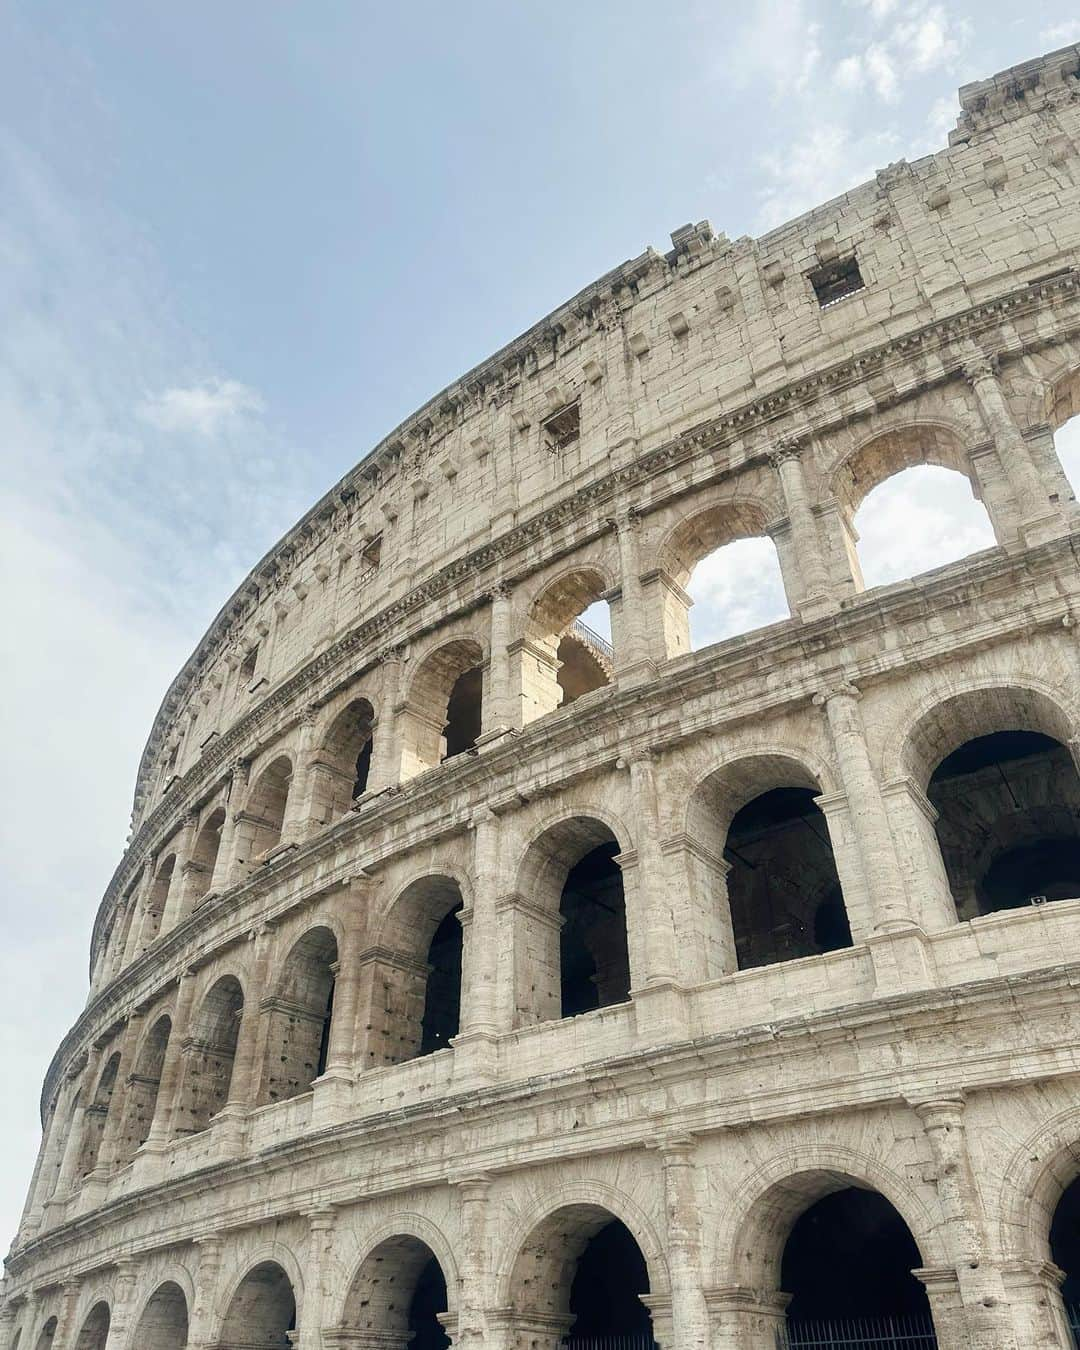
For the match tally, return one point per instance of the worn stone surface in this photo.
(206, 1116)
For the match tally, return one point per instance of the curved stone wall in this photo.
(438, 936)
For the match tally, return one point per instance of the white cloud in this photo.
(779, 44)
(1060, 34)
(929, 39)
(204, 409)
(736, 589)
(825, 162)
(942, 119)
(881, 70)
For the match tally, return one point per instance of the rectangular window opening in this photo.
(836, 281)
(562, 428)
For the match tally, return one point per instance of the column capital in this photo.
(625, 518)
(840, 689)
(484, 815)
(499, 590)
(788, 446)
(393, 653)
(978, 365)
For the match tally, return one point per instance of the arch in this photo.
(155, 901)
(398, 1291)
(94, 1332)
(261, 821)
(570, 928)
(442, 715)
(300, 1012)
(884, 453)
(95, 1116)
(418, 960)
(163, 1323)
(204, 854)
(1061, 412)
(262, 1309)
(209, 1055)
(142, 1088)
(339, 770)
(562, 658)
(46, 1335)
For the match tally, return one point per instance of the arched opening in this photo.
(205, 854)
(847, 1266)
(721, 562)
(570, 936)
(95, 1330)
(95, 1116)
(155, 901)
(46, 1336)
(262, 1312)
(419, 973)
(442, 716)
(209, 1055)
(921, 518)
(567, 652)
(398, 1296)
(340, 770)
(142, 1089)
(1065, 423)
(1065, 1253)
(260, 823)
(582, 1275)
(783, 888)
(164, 1321)
(298, 1036)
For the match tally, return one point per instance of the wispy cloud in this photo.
(204, 409)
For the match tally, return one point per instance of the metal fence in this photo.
(591, 639)
(1072, 1312)
(640, 1340)
(859, 1333)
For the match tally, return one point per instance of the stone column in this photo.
(298, 802)
(814, 597)
(167, 1105)
(476, 1267)
(1033, 1291)
(633, 659)
(224, 865)
(1037, 518)
(243, 1084)
(66, 1329)
(109, 1148)
(201, 1329)
(688, 1315)
(503, 712)
(987, 1316)
(320, 1245)
(333, 1088)
(741, 1318)
(475, 1048)
(385, 770)
(122, 1305)
(900, 957)
(175, 901)
(135, 944)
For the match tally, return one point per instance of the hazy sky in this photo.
(239, 242)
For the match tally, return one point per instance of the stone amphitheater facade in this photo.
(439, 953)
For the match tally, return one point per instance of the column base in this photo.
(743, 1319)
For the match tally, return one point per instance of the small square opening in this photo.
(562, 428)
(836, 281)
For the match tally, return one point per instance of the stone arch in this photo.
(889, 450)
(261, 822)
(95, 1116)
(46, 1335)
(751, 1236)
(94, 1332)
(142, 1087)
(209, 1055)
(442, 715)
(379, 1291)
(156, 899)
(554, 670)
(542, 1249)
(263, 1305)
(340, 766)
(204, 855)
(417, 958)
(300, 1011)
(1039, 1171)
(762, 873)
(570, 935)
(163, 1322)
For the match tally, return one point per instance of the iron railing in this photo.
(1072, 1314)
(635, 1340)
(858, 1333)
(590, 639)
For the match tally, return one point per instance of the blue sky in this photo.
(238, 243)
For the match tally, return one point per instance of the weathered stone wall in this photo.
(214, 1125)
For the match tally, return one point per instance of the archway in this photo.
(339, 771)
(209, 1056)
(262, 1311)
(442, 716)
(300, 1013)
(564, 655)
(164, 1321)
(582, 1276)
(574, 924)
(721, 562)
(46, 1336)
(95, 1330)
(1065, 424)
(1065, 1252)
(260, 823)
(398, 1296)
(95, 1116)
(155, 902)
(776, 888)
(204, 855)
(142, 1088)
(418, 970)
(847, 1266)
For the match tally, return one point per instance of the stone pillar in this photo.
(167, 1105)
(741, 1318)
(987, 1317)
(475, 1269)
(333, 1088)
(109, 1148)
(688, 1316)
(298, 802)
(634, 661)
(175, 901)
(122, 1305)
(1037, 518)
(243, 1085)
(815, 598)
(320, 1246)
(224, 865)
(137, 925)
(1033, 1290)
(385, 770)
(503, 711)
(67, 1331)
(481, 947)
(201, 1329)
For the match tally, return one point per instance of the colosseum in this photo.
(471, 979)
